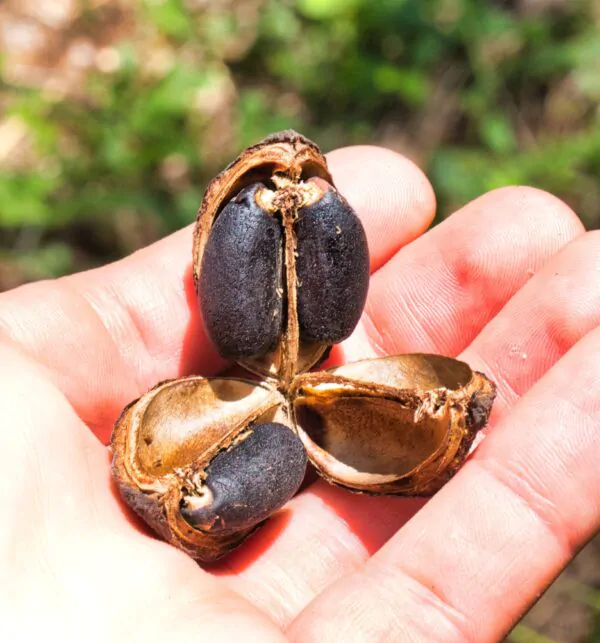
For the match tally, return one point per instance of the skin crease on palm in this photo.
(509, 284)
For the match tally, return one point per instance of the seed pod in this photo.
(281, 269)
(168, 444)
(395, 425)
(281, 261)
(206, 461)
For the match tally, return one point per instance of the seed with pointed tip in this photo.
(249, 481)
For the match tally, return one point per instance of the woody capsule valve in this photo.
(277, 246)
(205, 461)
(281, 269)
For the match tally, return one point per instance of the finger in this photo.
(438, 293)
(483, 549)
(108, 335)
(392, 196)
(323, 534)
(558, 307)
(332, 531)
(66, 551)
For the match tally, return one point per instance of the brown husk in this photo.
(155, 491)
(293, 157)
(395, 425)
(399, 425)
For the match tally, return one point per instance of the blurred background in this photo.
(114, 114)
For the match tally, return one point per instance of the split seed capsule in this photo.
(281, 260)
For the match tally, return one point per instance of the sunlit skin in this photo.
(509, 284)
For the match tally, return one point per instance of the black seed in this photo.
(241, 279)
(250, 481)
(332, 269)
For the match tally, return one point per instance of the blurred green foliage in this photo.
(480, 94)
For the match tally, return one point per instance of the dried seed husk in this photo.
(294, 178)
(395, 425)
(163, 443)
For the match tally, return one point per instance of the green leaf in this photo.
(410, 84)
(170, 17)
(497, 132)
(523, 634)
(52, 260)
(256, 118)
(326, 9)
(24, 200)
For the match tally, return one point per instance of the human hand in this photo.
(508, 284)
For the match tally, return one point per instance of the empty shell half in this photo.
(395, 425)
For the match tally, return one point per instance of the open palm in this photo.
(509, 284)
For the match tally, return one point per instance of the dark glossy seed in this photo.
(240, 286)
(250, 481)
(332, 268)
